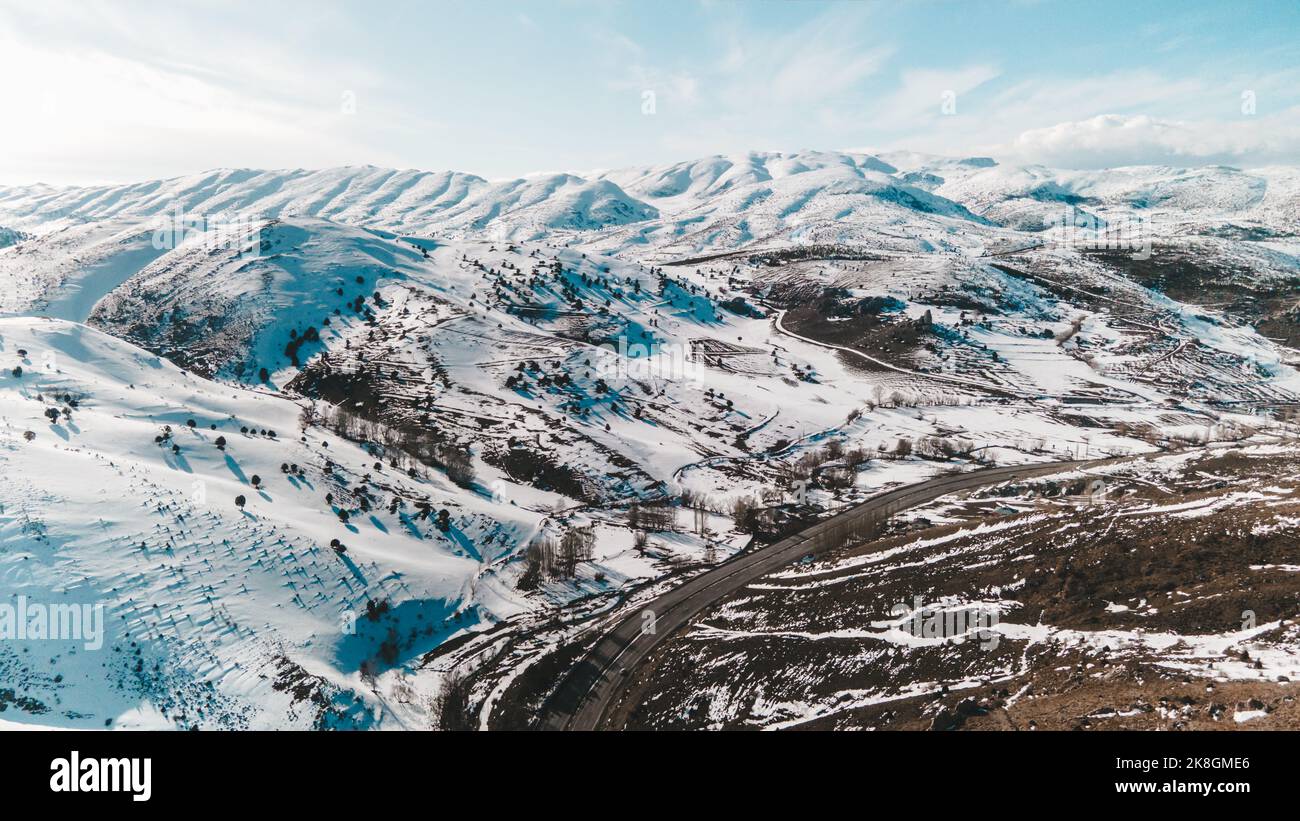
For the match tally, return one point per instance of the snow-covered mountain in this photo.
(352, 194)
(545, 359)
(713, 204)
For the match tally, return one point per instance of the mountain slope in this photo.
(216, 615)
(356, 194)
(64, 272)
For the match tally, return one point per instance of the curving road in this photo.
(598, 682)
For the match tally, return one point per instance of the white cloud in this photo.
(920, 94)
(816, 73)
(1122, 118)
(1115, 140)
(828, 56)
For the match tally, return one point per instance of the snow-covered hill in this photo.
(217, 615)
(64, 272)
(231, 306)
(712, 204)
(900, 201)
(545, 359)
(698, 180)
(534, 207)
(351, 194)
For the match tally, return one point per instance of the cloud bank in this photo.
(1108, 140)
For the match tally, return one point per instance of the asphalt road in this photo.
(597, 682)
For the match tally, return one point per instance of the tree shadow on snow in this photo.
(236, 469)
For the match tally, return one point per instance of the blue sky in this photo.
(119, 90)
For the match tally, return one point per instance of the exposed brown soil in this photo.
(1272, 306)
(1086, 693)
(806, 636)
(892, 338)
